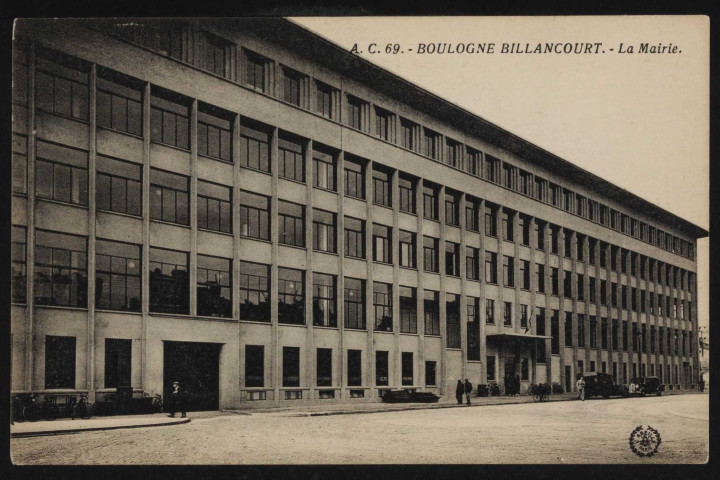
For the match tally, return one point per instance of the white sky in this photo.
(640, 121)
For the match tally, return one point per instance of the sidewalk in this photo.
(66, 425)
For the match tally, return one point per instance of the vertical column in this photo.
(92, 155)
(274, 253)
(369, 372)
(482, 314)
(532, 318)
(193, 206)
(310, 340)
(514, 220)
(574, 291)
(561, 299)
(598, 308)
(340, 294)
(548, 291)
(395, 255)
(463, 284)
(235, 275)
(29, 359)
(442, 305)
(145, 240)
(420, 262)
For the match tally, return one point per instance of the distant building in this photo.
(245, 207)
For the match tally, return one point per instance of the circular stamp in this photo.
(644, 441)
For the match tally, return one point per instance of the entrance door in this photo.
(197, 367)
(568, 378)
(510, 387)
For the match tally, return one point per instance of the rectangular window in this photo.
(323, 231)
(59, 362)
(407, 195)
(508, 176)
(407, 249)
(581, 330)
(554, 280)
(540, 277)
(19, 164)
(382, 305)
(430, 373)
(452, 259)
(615, 333)
(254, 292)
(291, 223)
(354, 237)
(452, 209)
(567, 283)
(18, 253)
(507, 314)
(324, 300)
(382, 243)
(604, 333)
(214, 133)
(524, 316)
(539, 235)
(555, 333)
(119, 186)
(408, 310)
(580, 248)
(473, 162)
(625, 333)
(291, 161)
(324, 100)
(430, 202)
(119, 102)
(581, 287)
(383, 124)
(489, 311)
(355, 113)
(354, 303)
(255, 70)
(382, 190)
(169, 119)
(473, 328)
(432, 312)
(382, 370)
(254, 216)
(567, 244)
(507, 225)
(214, 286)
(525, 274)
(169, 197)
(472, 214)
(541, 352)
(624, 295)
(60, 269)
(214, 205)
(354, 367)
(554, 233)
(430, 144)
(591, 287)
(555, 197)
(291, 296)
(452, 320)
(407, 134)
(508, 271)
(603, 292)
(19, 74)
(354, 181)
(291, 366)
(472, 263)
(324, 367)
(117, 276)
(540, 185)
(169, 281)
(61, 85)
(118, 362)
(490, 370)
(324, 170)
(453, 153)
(61, 173)
(254, 146)
(490, 267)
(430, 254)
(525, 369)
(407, 368)
(568, 329)
(490, 220)
(215, 51)
(291, 86)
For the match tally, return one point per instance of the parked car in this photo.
(409, 396)
(646, 386)
(602, 384)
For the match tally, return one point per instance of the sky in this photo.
(639, 120)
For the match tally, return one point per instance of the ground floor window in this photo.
(525, 369)
(407, 368)
(254, 366)
(430, 373)
(291, 367)
(491, 368)
(324, 367)
(59, 362)
(118, 362)
(381, 368)
(354, 367)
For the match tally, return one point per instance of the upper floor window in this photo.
(291, 86)
(18, 255)
(254, 215)
(214, 286)
(254, 291)
(164, 37)
(354, 303)
(169, 119)
(214, 133)
(490, 267)
(382, 189)
(452, 320)
(324, 96)
(382, 304)
(354, 237)
(355, 111)
(19, 163)
(490, 220)
(508, 176)
(169, 281)
(492, 169)
(61, 85)
(430, 254)
(169, 194)
(61, 173)
(472, 214)
(407, 134)
(540, 192)
(19, 73)
(354, 180)
(432, 312)
(473, 162)
(407, 249)
(384, 124)
(215, 52)
(408, 310)
(507, 217)
(255, 66)
(291, 296)
(291, 223)
(60, 269)
(291, 161)
(525, 182)
(119, 186)
(324, 169)
(119, 102)
(568, 200)
(453, 153)
(555, 198)
(254, 146)
(472, 263)
(452, 208)
(214, 206)
(406, 188)
(324, 304)
(430, 201)
(430, 144)
(452, 259)
(382, 242)
(323, 231)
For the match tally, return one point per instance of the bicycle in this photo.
(540, 392)
(30, 409)
(49, 408)
(82, 408)
(157, 405)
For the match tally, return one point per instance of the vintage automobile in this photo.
(409, 396)
(602, 384)
(646, 386)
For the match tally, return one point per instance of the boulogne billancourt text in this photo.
(566, 48)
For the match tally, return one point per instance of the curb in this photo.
(94, 429)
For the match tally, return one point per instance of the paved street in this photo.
(594, 431)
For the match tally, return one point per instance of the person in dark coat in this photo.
(459, 391)
(177, 400)
(468, 389)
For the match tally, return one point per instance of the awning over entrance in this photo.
(516, 336)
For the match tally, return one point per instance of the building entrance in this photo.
(197, 367)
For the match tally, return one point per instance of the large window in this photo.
(452, 317)
(407, 249)
(490, 267)
(255, 70)
(430, 254)
(382, 370)
(430, 373)
(214, 132)
(354, 237)
(604, 333)
(490, 220)
(354, 368)
(324, 367)
(473, 328)
(291, 222)
(164, 37)
(169, 281)
(18, 254)
(291, 296)
(525, 274)
(382, 190)
(354, 180)
(472, 263)
(61, 85)
(472, 214)
(452, 208)
(430, 202)
(354, 303)
(291, 86)
(324, 97)
(508, 271)
(324, 170)
(169, 119)
(407, 134)
(118, 362)
(254, 216)
(324, 313)
(540, 277)
(117, 276)
(323, 231)
(453, 153)
(382, 304)
(119, 186)
(214, 53)
(291, 161)
(540, 235)
(408, 310)
(554, 281)
(382, 243)
(254, 366)
(407, 194)
(59, 362)
(432, 312)
(61, 173)
(355, 113)
(291, 366)
(383, 124)
(19, 163)
(507, 225)
(507, 314)
(555, 333)
(119, 102)
(430, 145)
(489, 311)
(581, 330)
(406, 368)
(169, 197)
(540, 330)
(452, 259)
(214, 286)
(214, 205)
(60, 269)
(254, 292)
(473, 162)
(254, 146)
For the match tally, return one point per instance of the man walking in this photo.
(177, 400)
(468, 390)
(580, 384)
(459, 391)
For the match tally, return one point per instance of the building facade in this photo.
(248, 208)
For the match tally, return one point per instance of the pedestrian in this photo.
(468, 390)
(459, 391)
(580, 384)
(177, 400)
